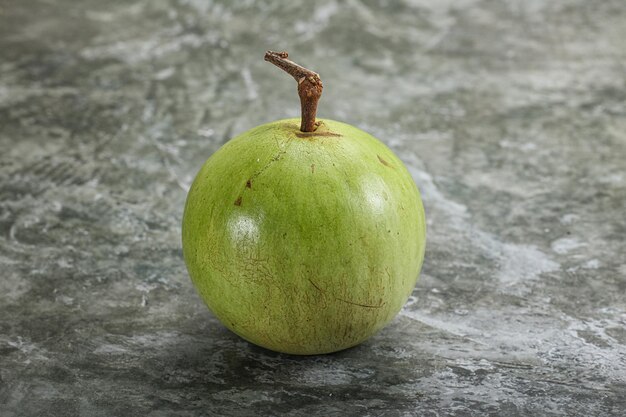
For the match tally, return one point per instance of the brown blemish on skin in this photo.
(385, 163)
(359, 304)
(311, 134)
(238, 201)
(312, 168)
(268, 164)
(321, 291)
(249, 183)
(315, 285)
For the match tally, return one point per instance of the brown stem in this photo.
(309, 87)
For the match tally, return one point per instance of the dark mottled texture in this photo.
(511, 116)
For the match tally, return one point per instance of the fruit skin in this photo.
(304, 243)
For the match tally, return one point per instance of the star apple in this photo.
(304, 236)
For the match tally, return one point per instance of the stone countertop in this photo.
(511, 117)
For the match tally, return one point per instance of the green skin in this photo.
(304, 243)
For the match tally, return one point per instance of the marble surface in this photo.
(511, 116)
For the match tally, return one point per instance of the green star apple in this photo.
(304, 237)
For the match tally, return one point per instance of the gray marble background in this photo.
(511, 116)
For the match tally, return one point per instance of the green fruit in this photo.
(304, 242)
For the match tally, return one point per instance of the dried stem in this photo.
(309, 87)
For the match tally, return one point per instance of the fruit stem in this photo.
(309, 87)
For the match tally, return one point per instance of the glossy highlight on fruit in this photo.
(304, 242)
